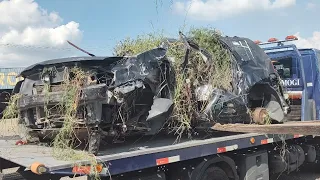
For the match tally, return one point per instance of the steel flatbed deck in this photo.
(139, 155)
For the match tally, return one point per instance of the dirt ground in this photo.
(10, 127)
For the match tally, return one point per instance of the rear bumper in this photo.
(89, 94)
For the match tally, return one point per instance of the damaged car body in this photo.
(124, 96)
(256, 87)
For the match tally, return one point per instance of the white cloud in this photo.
(309, 42)
(29, 34)
(218, 9)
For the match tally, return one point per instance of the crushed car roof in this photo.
(155, 54)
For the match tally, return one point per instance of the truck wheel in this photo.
(214, 173)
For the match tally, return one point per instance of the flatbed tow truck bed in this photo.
(136, 156)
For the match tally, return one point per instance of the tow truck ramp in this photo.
(133, 157)
(292, 127)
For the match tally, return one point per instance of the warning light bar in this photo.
(291, 38)
(275, 40)
(257, 42)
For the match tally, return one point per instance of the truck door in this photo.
(309, 69)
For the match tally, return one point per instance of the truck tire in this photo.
(214, 173)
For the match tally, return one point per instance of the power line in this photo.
(106, 47)
(35, 47)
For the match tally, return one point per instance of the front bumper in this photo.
(88, 94)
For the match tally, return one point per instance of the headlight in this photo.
(46, 78)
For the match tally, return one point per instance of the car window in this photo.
(285, 67)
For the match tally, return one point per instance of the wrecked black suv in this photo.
(129, 95)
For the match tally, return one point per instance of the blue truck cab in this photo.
(299, 70)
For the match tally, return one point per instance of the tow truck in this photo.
(299, 70)
(218, 156)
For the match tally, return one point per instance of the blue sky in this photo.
(100, 24)
(105, 22)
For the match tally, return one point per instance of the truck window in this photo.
(285, 66)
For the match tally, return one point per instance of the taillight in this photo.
(87, 169)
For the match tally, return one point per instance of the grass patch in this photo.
(11, 111)
(9, 123)
(65, 142)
